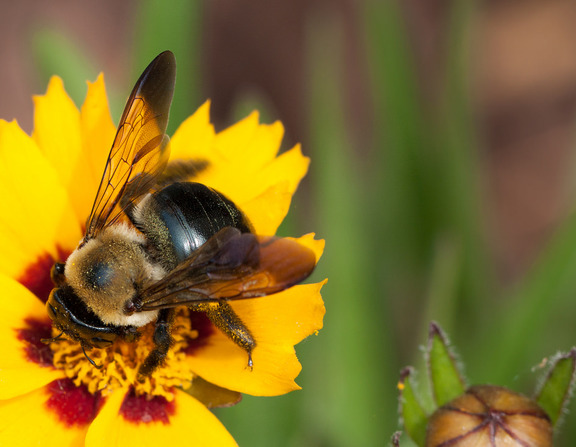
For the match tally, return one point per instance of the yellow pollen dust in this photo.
(119, 363)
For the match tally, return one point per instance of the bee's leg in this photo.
(224, 318)
(162, 341)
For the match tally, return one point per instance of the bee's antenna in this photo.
(92, 362)
(47, 341)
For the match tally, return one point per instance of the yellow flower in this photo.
(50, 393)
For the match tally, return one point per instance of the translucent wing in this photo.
(140, 149)
(231, 265)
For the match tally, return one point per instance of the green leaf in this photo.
(413, 415)
(556, 389)
(447, 382)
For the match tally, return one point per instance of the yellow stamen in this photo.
(119, 363)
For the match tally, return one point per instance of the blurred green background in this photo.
(442, 144)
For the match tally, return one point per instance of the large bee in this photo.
(154, 242)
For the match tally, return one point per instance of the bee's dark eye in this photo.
(57, 273)
(100, 275)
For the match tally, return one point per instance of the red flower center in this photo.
(73, 405)
(36, 277)
(140, 409)
(200, 323)
(33, 334)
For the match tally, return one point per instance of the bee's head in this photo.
(96, 285)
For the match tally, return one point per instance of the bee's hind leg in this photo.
(162, 342)
(224, 318)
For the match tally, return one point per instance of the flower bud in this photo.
(489, 416)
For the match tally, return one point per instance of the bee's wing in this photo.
(140, 150)
(232, 265)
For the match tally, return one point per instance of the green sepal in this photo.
(555, 391)
(446, 380)
(413, 415)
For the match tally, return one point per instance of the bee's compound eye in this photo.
(57, 273)
(54, 305)
(52, 311)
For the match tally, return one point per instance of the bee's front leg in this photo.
(162, 341)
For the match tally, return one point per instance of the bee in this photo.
(154, 242)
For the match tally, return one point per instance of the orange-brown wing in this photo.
(231, 265)
(140, 150)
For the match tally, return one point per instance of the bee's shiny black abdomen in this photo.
(182, 216)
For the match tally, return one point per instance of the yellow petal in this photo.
(267, 210)
(250, 144)
(28, 420)
(190, 423)
(57, 128)
(19, 374)
(36, 214)
(277, 322)
(285, 318)
(317, 246)
(241, 182)
(235, 140)
(291, 166)
(194, 138)
(73, 142)
(98, 133)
